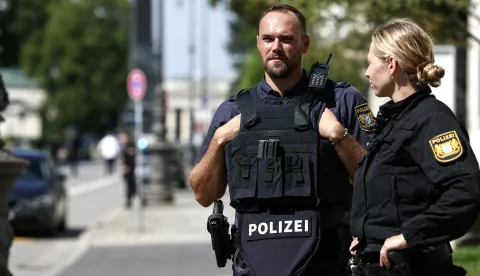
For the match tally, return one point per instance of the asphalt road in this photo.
(156, 260)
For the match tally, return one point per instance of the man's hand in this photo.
(393, 243)
(329, 127)
(228, 131)
(125, 168)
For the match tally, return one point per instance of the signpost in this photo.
(137, 88)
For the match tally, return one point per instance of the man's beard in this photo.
(278, 69)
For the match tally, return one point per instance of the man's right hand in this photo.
(228, 131)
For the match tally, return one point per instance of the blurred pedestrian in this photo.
(55, 145)
(73, 147)
(128, 155)
(109, 149)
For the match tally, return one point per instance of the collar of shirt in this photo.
(391, 110)
(267, 93)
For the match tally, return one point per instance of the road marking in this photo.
(93, 185)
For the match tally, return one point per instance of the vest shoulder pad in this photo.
(342, 84)
(244, 91)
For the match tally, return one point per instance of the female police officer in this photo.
(418, 186)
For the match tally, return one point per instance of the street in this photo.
(104, 239)
(92, 196)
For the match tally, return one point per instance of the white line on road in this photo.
(94, 185)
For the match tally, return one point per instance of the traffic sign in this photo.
(136, 84)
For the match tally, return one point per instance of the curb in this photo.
(84, 241)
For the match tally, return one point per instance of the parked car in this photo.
(38, 200)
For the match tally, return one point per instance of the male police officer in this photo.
(288, 184)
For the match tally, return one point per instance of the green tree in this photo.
(342, 27)
(82, 61)
(21, 21)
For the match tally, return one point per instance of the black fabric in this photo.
(278, 175)
(404, 187)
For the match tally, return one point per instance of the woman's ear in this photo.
(392, 65)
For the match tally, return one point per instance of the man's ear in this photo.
(306, 43)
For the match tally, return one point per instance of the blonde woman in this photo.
(418, 186)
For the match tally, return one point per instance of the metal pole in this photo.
(204, 62)
(192, 66)
(139, 181)
(160, 149)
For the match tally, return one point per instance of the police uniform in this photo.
(419, 178)
(288, 186)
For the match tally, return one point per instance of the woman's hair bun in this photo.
(431, 74)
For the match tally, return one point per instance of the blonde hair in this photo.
(412, 47)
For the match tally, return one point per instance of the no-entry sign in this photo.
(136, 84)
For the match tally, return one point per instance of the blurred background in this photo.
(66, 64)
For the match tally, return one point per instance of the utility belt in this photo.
(403, 262)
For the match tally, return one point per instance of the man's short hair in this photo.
(287, 8)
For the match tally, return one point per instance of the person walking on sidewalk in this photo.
(129, 153)
(109, 149)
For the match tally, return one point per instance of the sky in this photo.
(177, 32)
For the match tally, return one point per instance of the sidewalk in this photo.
(174, 242)
(184, 222)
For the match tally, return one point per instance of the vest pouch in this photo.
(298, 179)
(278, 244)
(270, 177)
(243, 177)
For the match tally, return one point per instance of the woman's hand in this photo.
(392, 243)
(354, 243)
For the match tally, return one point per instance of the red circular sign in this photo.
(136, 84)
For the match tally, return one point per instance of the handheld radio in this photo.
(319, 74)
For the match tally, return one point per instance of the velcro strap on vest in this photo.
(245, 103)
(298, 172)
(246, 166)
(302, 112)
(269, 171)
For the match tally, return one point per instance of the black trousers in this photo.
(109, 166)
(130, 187)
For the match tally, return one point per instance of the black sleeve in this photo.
(440, 146)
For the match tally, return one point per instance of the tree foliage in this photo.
(78, 50)
(342, 27)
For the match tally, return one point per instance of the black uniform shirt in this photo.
(419, 178)
(346, 102)
(128, 155)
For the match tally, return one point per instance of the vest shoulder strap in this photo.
(247, 107)
(342, 84)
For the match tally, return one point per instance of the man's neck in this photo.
(285, 84)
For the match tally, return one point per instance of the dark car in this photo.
(38, 200)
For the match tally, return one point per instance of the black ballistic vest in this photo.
(281, 175)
